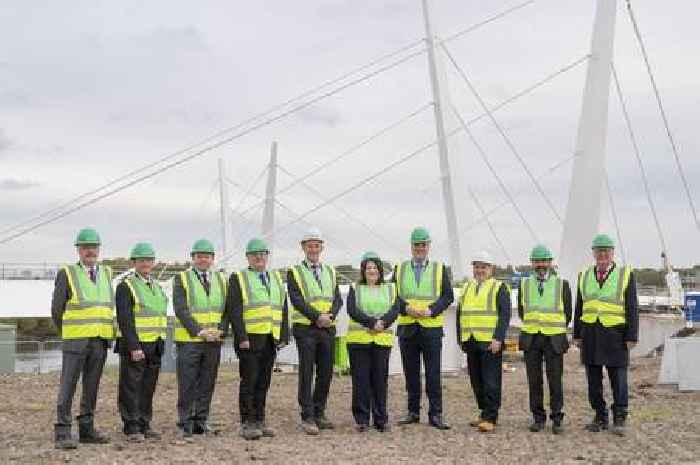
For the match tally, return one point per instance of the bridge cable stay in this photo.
(480, 207)
(638, 158)
(657, 95)
(353, 149)
(202, 151)
(342, 210)
(494, 173)
(497, 208)
(503, 133)
(78, 199)
(613, 212)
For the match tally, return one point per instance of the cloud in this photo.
(5, 142)
(9, 184)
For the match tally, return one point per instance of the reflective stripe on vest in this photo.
(321, 299)
(420, 295)
(150, 309)
(607, 303)
(478, 315)
(90, 310)
(376, 305)
(262, 311)
(543, 313)
(205, 309)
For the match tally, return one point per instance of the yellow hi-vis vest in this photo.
(320, 298)
(90, 310)
(420, 295)
(478, 315)
(206, 309)
(262, 310)
(543, 313)
(607, 303)
(375, 302)
(150, 309)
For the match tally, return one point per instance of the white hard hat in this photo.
(483, 257)
(312, 234)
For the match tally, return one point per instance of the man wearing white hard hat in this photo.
(483, 315)
(315, 297)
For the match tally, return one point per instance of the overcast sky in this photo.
(92, 89)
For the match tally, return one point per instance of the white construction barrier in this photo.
(679, 364)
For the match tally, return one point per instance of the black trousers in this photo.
(86, 358)
(430, 347)
(485, 370)
(540, 351)
(315, 347)
(618, 384)
(255, 367)
(369, 365)
(137, 384)
(197, 367)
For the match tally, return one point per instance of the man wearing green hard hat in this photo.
(199, 298)
(606, 325)
(544, 306)
(425, 292)
(82, 309)
(143, 324)
(256, 309)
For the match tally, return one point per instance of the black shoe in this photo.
(385, 428)
(619, 428)
(324, 423)
(203, 428)
(186, 431)
(63, 438)
(557, 427)
(362, 428)
(89, 435)
(409, 419)
(152, 435)
(437, 422)
(597, 425)
(536, 426)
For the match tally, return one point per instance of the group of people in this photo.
(252, 306)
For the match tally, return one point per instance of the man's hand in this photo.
(245, 345)
(495, 346)
(577, 343)
(324, 320)
(281, 345)
(631, 344)
(414, 312)
(137, 355)
(427, 313)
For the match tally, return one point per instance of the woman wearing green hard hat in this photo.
(373, 307)
(143, 323)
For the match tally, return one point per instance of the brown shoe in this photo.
(309, 427)
(475, 423)
(486, 426)
(135, 437)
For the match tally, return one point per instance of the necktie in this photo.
(317, 275)
(263, 279)
(601, 275)
(205, 282)
(93, 274)
(418, 271)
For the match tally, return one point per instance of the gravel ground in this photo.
(664, 426)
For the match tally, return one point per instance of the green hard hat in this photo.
(202, 246)
(87, 236)
(541, 252)
(420, 234)
(369, 255)
(603, 241)
(142, 250)
(256, 245)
